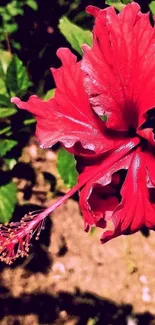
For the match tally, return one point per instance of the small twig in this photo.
(8, 42)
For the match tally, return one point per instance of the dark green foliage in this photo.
(8, 200)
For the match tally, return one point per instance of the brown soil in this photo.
(69, 277)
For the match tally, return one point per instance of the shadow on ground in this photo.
(81, 306)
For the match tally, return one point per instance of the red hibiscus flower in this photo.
(115, 159)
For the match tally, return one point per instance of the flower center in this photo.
(132, 132)
(146, 133)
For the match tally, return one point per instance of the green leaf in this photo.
(16, 45)
(74, 34)
(49, 94)
(6, 145)
(2, 73)
(6, 18)
(17, 79)
(152, 7)
(11, 28)
(126, 1)
(3, 89)
(5, 58)
(74, 5)
(8, 200)
(14, 9)
(93, 321)
(29, 121)
(5, 101)
(66, 167)
(5, 130)
(32, 4)
(10, 162)
(119, 5)
(103, 118)
(80, 16)
(6, 112)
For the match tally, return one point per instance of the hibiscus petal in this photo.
(137, 207)
(93, 10)
(97, 198)
(149, 162)
(68, 118)
(120, 67)
(147, 134)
